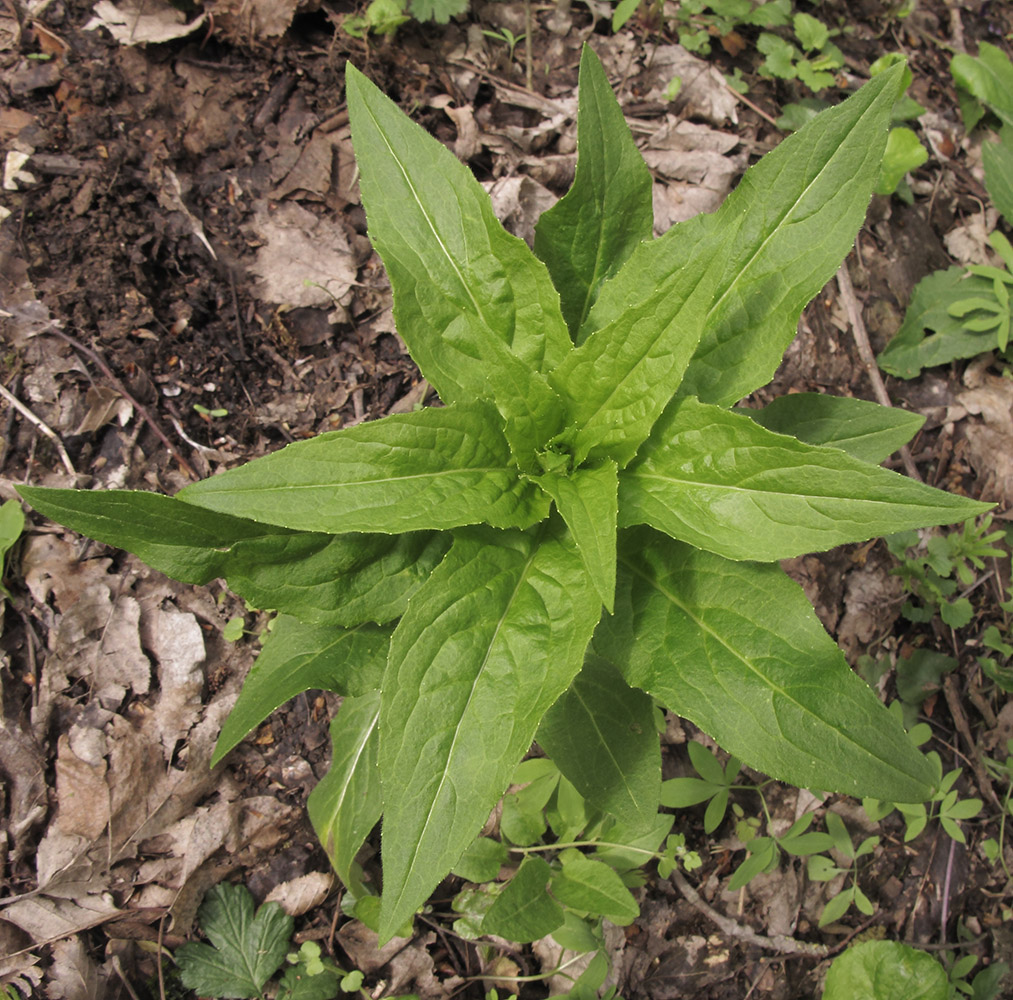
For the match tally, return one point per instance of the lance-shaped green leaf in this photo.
(864, 430)
(602, 737)
(720, 481)
(298, 658)
(436, 468)
(913, 347)
(997, 159)
(316, 577)
(495, 635)
(646, 325)
(587, 500)
(348, 801)
(737, 649)
(591, 231)
(793, 219)
(462, 285)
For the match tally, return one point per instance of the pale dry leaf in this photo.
(143, 22)
(176, 640)
(258, 20)
(413, 967)
(82, 794)
(46, 919)
(104, 407)
(305, 259)
(967, 243)
(313, 171)
(519, 202)
(73, 974)
(302, 894)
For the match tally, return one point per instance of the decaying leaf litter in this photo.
(195, 232)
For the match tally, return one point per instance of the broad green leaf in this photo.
(437, 468)
(904, 153)
(587, 500)
(298, 658)
(720, 481)
(316, 577)
(885, 970)
(247, 949)
(491, 640)
(865, 430)
(334, 579)
(12, 523)
(465, 290)
(997, 158)
(524, 911)
(989, 78)
(789, 223)
(913, 347)
(736, 649)
(591, 231)
(348, 801)
(482, 860)
(638, 339)
(593, 887)
(601, 735)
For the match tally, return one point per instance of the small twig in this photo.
(861, 336)
(947, 882)
(781, 943)
(960, 721)
(529, 59)
(161, 973)
(42, 426)
(122, 390)
(749, 104)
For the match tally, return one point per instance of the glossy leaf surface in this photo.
(347, 802)
(463, 286)
(790, 222)
(496, 634)
(602, 737)
(587, 499)
(591, 231)
(864, 430)
(718, 480)
(436, 468)
(737, 649)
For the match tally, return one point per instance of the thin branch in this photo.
(861, 336)
(781, 943)
(42, 426)
(122, 390)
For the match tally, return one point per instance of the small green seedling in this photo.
(507, 37)
(963, 312)
(249, 949)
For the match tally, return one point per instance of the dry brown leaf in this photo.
(302, 894)
(305, 259)
(73, 975)
(82, 794)
(143, 22)
(519, 202)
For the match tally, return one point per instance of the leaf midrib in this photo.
(425, 214)
(781, 221)
(522, 578)
(786, 494)
(748, 664)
